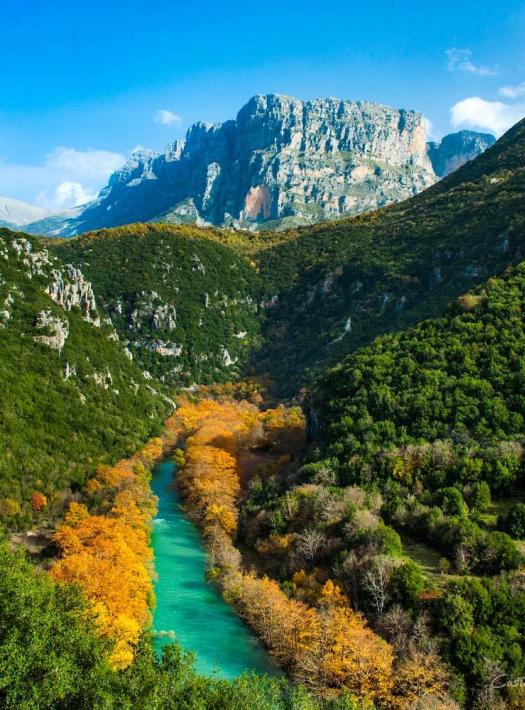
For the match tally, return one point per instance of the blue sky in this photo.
(83, 83)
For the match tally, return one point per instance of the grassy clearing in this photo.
(428, 561)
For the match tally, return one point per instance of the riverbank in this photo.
(231, 447)
(104, 544)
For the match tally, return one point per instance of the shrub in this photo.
(407, 583)
(513, 521)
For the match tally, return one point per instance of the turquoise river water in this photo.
(188, 608)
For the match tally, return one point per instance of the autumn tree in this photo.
(38, 501)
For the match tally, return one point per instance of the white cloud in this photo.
(494, 116)
(165, 117)
(91, 164)
(460, 60)
(66, 177)
(513, 92)
(67, 194)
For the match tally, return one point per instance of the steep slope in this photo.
(282, 161)
(334, 287)
(455, 149)
(458, 378)
(70, 396)
(185, 304)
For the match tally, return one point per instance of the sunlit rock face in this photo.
(281, 162)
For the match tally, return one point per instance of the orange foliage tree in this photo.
(105, 549)
(38, 501)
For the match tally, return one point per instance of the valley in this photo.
(343, 406)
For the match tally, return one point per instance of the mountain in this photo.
(456, 149)
(55, 223)
(71, 398)
(16, 213)
(281, 161)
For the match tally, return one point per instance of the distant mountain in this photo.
(54, 224)
(16, 213)
(456, 149)
(281, 162)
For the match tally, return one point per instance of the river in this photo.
(189, 608)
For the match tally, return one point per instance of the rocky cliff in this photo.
(282, 161)
(456, 149)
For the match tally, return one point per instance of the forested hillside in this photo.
(335, 286)
(184, 303)
(459, 378)
(408, 506)
(429, 422)
(70, 396)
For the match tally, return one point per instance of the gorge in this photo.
(400, 334)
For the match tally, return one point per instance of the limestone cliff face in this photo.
(282, 161)
(23, 258)
(68, 288)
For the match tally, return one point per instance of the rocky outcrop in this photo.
(69, 289)
(282, 162)
(65, 285)
(456, 149)
(151, 313)
(34, 261)
(57, 330)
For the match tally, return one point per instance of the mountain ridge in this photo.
(281, 161)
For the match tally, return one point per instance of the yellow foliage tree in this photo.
(108, 554)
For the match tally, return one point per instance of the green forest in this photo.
(419, 437)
